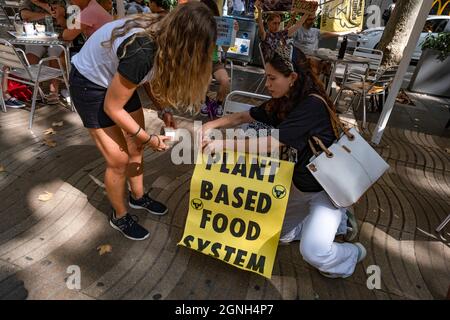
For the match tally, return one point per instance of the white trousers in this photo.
(315, 221)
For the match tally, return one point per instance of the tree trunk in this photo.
(397, 31)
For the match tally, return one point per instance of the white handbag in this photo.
(348, 168)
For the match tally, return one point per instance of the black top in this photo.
(138, 59)
(308, 118)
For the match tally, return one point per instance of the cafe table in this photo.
(42, 40)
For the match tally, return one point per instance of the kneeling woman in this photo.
(172, 57)
(298, 109)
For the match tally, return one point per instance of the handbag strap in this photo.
(321, 145)
(334, 118)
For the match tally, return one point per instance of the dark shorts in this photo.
(88, 99)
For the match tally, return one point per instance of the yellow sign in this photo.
(236, 209)
(342, 16)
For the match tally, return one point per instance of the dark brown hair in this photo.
(272, 16)
(307, 83)
(211, 4)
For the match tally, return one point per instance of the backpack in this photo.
(19, 90)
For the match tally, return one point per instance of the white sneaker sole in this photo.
(15, 107)
(152, 212)
(128, 237)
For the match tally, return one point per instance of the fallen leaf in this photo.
(45, 196)
(58, 124)
(104, 248)
(49, 142)
(2, 168)
(49, 131)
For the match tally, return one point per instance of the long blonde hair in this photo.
(182, 65)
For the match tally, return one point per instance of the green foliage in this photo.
(440, 43)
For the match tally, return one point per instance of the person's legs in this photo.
(55, 52)
(138, 199)
(222, 77)
(111, 143)
(9, 100)
(317, 244)
(135, 169)
(33, 55)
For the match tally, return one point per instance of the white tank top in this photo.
(97, 63)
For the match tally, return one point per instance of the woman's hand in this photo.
(157, 143)
(203, 134)
(213, 146)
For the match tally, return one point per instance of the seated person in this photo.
(213, 107)
(36, 11)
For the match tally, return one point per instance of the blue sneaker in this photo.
(147, 203)
(14, 103)
(128, 225)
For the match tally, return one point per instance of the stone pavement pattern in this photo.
(39, 240)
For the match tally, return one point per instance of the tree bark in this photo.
(397, 31)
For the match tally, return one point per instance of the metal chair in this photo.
(231, 105)
(256, 128)
(355, 71)
(263, 78)
(374, 56)
(21, 71)
(371, 86)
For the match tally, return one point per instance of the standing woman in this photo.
(298, 109)
(273, 37)
(171, 57)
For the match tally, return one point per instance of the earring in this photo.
(291, 85)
